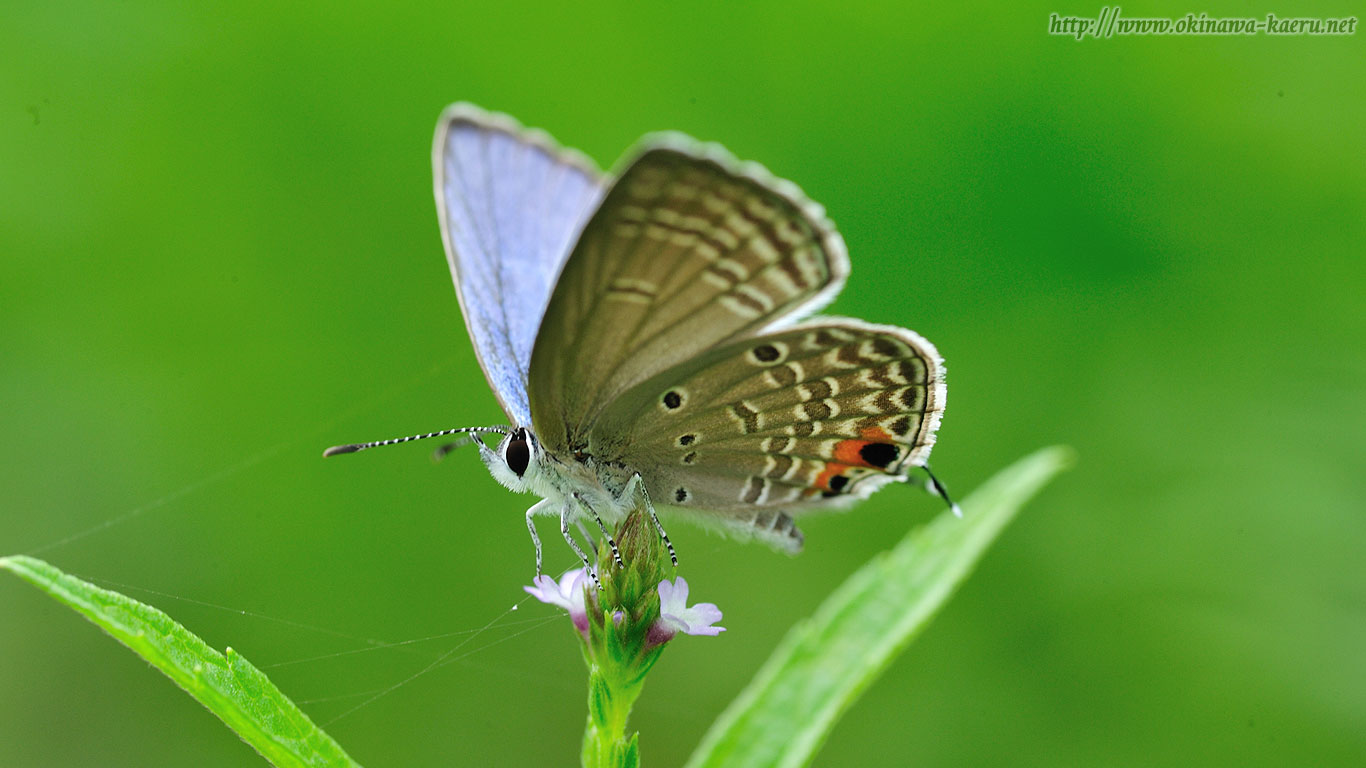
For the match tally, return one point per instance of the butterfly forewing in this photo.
(510, 202)
(688, 250)
(799, 419)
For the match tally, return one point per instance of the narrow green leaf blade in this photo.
(819, 669)
(239, 693)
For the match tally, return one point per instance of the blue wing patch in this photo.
(511, 204)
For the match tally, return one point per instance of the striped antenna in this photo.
(336, 449)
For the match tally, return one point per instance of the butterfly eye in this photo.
(518, 454)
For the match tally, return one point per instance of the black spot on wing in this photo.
(879, 454)
(837, 485)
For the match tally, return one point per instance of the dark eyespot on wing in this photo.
(879, 454)
(766, 353)
(837, 485)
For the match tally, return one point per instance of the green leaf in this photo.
(239, 693)
(784, 715)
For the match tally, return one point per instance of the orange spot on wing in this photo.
(847, 451)
(847, 455)
(850, 452)
(831, 470)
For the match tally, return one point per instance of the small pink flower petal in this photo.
(675, 615)
(666, 593)
(569, 583)
(567, 594)
(545, 589)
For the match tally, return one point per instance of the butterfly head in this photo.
(517, 462)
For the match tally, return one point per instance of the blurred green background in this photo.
(219, 254)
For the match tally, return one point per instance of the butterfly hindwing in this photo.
(510, 202)
(689, 249)
(801, 419)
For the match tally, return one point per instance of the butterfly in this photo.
(644, 335)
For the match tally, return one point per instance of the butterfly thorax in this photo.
(525, 465)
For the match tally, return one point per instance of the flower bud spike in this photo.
(637, 483)
(624, 625)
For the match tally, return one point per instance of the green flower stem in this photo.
(605, 744)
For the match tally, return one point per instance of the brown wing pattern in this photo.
(689, 249)
(799, 419)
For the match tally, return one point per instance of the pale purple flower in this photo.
(675, 616)
(567, 594)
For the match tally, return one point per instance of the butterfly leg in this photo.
(587, 536)
(539, 508)
(606, 535)
(574, 545)
(636, 484)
